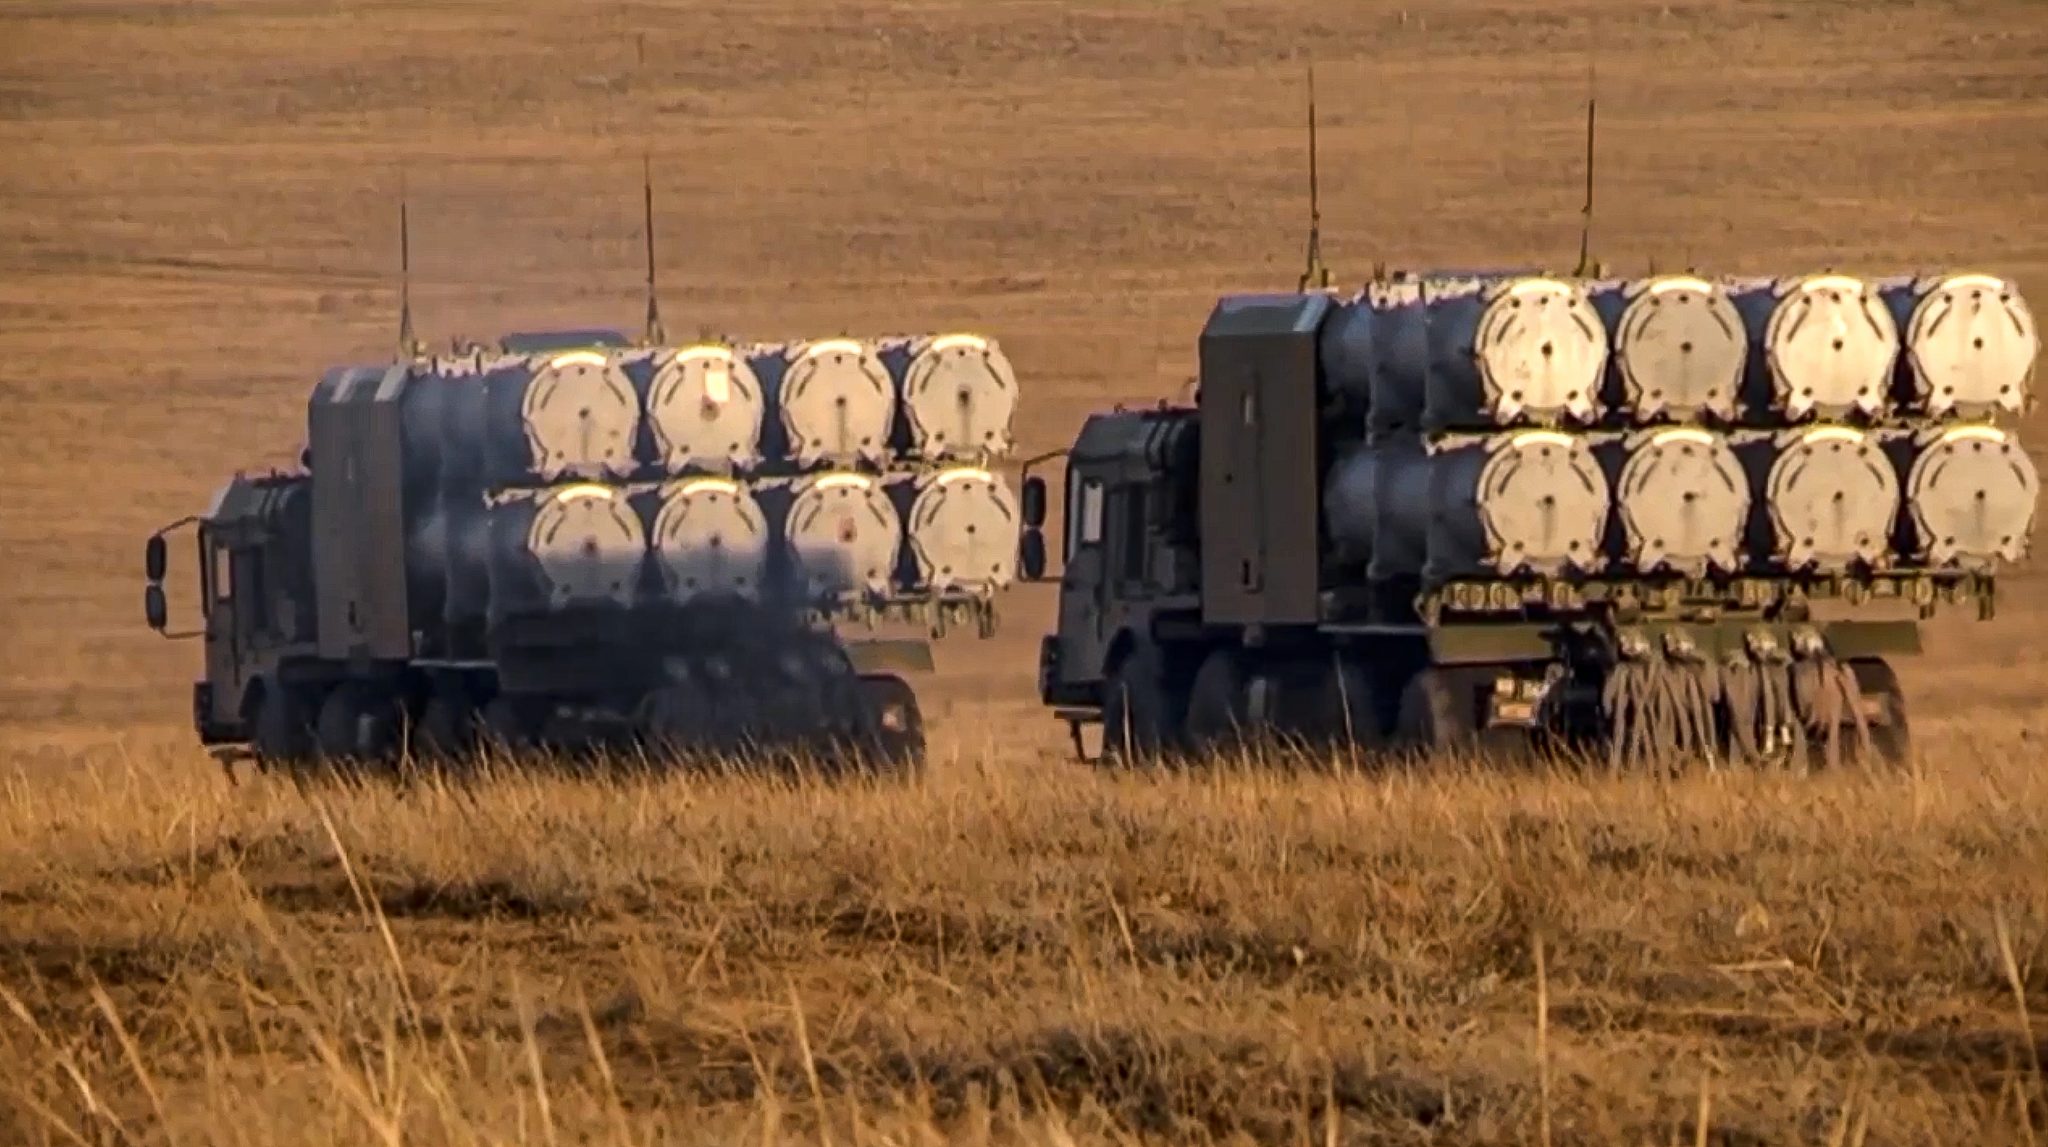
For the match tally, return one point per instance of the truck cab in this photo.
(255, 597)
(1129, 547)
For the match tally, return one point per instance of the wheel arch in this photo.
(253, 692)
(310, 678)
(1120, 648)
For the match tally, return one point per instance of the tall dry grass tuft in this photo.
(1026, 953)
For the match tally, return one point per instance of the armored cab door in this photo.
(1085, 579)
(253, 628)
(1127, 571)
(223, 621)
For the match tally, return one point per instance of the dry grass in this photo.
(195, 214)
(1028, 955)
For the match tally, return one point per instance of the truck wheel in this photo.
(282, 732)
(1890, 734)
(1140, 720)
(898, 740)
(672, 722)
(733, 721)
(1437, 714)
(336, 730)
(446, 730)
(1218, 717)
(507, 725)
(1351, 707)
(358, 725)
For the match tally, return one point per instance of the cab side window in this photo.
(247, 567)
(1084, 513)
(1132, 525)
(219, 573)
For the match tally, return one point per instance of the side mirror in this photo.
(1031, 554)
(155, 608)
(1034, 502)
(155, 557)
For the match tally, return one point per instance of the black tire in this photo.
(1217, 717)
(358, 728)
(1891, 734)
(666, 721)
(507, 725)
(1437, 714)
(282, 732)
(337, 732)
(334, 727)
(1351, 706)
(1142, 716)
(896, 744)
(731, 719)
(445, 733)
(382, 728)
(1441, 714)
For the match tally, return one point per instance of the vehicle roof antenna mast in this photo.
(408, 345)
(655, 335)
(1586, 264)
(1315, 275)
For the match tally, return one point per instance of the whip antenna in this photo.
(1586, 212)
(407, 344)
(1316, 274)
(655, 335)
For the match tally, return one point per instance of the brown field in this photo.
(197, 214)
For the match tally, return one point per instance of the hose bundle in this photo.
(1827, 697)
(1671, 702)
(1660, 703)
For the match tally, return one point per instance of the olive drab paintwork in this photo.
(1128, 549)
(254, 591)
(1260, 470)
(1423, 509)
(565, 540)
(356, 450)
(506, 539)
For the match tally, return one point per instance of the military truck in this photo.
(575, 539)
(1658, 519)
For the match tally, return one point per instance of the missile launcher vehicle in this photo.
(578, 539)
(1666, 518)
